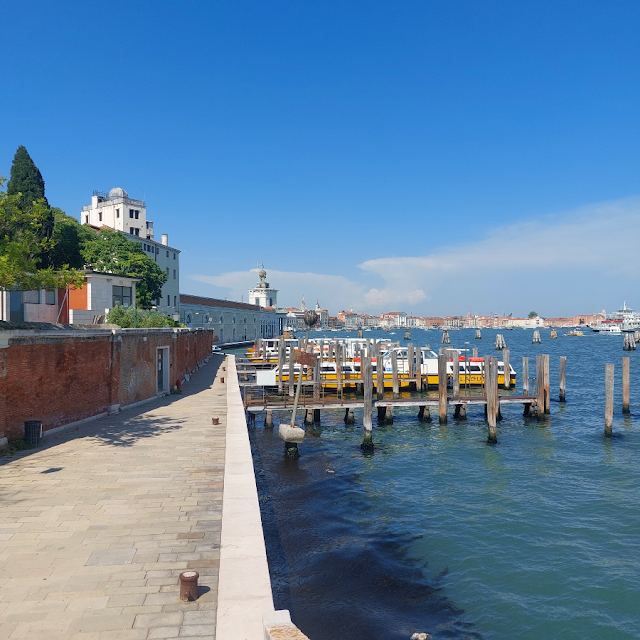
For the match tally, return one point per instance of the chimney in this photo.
(165, 239)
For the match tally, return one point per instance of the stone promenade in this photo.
(97, 523)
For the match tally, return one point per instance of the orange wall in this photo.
(78, 297)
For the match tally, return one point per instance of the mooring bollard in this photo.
(268, 420)
(189, 586)
(608, 390)
(625, 384)
(388, 415)
(215, 420)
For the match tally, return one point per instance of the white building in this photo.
(230, 321)
(118, 211)
(262, 295)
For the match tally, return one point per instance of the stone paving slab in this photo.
(97, 524)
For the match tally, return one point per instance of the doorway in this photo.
(162, 370)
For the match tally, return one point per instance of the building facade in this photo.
(263, 295)
(230, 321)
(118, 211)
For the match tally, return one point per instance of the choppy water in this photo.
(536, 537)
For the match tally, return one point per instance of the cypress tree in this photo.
(27, 180)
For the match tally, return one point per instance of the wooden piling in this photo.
(540, 387)
(339, 369)
(268, 420)
(379, 372)
(292, 373)
(563, 376)
(409, 370)
(507, 369)
(525, 375)
(388, 415)
(475, 352)
(547, 385)
(308, 416)
(394, 372)
(491, 377)
(608, 390)
(442, 388)
(456, 374)
(368, 397)
(281, 361)
(625, 383)
(316, 415)
(419, 369)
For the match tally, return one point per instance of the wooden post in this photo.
(409, 361)
(316, 415)
(394, 371)
(339, 369)
(540, 386)
(491, 376)
(475, 352)
(316, 378)
(419, 370)
(487, 361)
(525, 375)
(547, 385)
(456, 374)
(268, 420)
(507, 368)
(292, 373)
(379, 372)
(563, 376)
(442, 388)
(625, 384)
(367, 443)
(281, 360)
(608, 389)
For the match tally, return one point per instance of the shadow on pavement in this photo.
(131, 425)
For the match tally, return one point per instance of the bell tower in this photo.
(262, 294)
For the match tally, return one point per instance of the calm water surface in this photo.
(536, 537)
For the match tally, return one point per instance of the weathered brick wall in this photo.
(64, 378)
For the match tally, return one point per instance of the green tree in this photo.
(68, 239)
(127, 317)
(27, 183)
(22, 245)
(533, 314)
(112, 252)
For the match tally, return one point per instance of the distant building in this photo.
(393, 319)
(263, 295)
(230, 321)
(116, 210)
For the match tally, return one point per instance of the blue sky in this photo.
(439, 157)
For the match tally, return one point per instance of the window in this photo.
(86, 219)
(257, 301)
(117, 213)
(157, 250)
(167, 270)
(50, 297)
(131, 230)
(174, 274)
(100, 216)
(175, 301)
(121, 295)
(174, 255)
(137, 214)
(145, 246)
(131, 213)
(168, 301)
(137, 232)
(31, 297)
(167, 254)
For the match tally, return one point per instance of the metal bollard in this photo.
(215, 420)
(189, 586)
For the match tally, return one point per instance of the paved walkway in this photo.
(96, 526)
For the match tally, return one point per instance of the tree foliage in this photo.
(68, 239)
(111, 251)
(533, 314)
(128, 317)
(22, 244)
(27, 184)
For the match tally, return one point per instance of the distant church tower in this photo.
(262, 294)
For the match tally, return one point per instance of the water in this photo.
(536, 537)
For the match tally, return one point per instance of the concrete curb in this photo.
(244, 585)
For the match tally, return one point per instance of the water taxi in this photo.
(575, 332)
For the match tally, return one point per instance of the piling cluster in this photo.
(536, 337)
(629, 342)
(500, 343)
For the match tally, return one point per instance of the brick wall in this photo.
(65, 376)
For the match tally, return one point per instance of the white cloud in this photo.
(576, 262)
